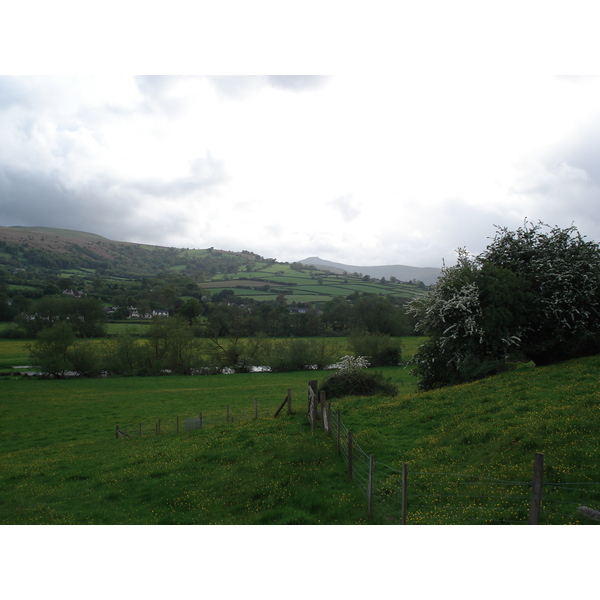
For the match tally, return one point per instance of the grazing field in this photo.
(470, 448)
(306, 285)
(60, 461)
(62, 464)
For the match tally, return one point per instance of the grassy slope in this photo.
(492, 429)
(60, 444)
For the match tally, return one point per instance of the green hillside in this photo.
(34, 258)
(469, 450)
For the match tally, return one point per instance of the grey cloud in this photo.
(239, 86)
(156, 90)
(297, 82)
(28, 198)
(347, 207)
(132, 210)
(236, 86)
(205, 173)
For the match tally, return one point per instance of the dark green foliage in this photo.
(51, 349)
(562, 274)
(380, 349)
(531, 295)
(86, 315)
(297, 355)
(357, 383)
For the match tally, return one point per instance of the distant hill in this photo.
(56, 250)
(428, 275)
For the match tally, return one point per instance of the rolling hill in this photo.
(428, 275)
(32, 258)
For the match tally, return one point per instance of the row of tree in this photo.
(172, 347)
(375, 314)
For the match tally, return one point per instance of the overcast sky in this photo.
(377, 166)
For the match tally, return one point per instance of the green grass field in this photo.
(304, 286)
(60, 461)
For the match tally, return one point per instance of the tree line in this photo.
(170, 346)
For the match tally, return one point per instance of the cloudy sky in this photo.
(365, 167)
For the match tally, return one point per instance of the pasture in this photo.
(61, 464)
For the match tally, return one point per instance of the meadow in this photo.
(60, 461)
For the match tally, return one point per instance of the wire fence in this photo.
(398, 496)
(395, 495)
(179, 424)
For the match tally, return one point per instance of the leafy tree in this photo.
(51, 349)
(380, 348)
(377, 314)
(86, 315)
(190, 310)
(533, 294)
(173, 345)
(562, 273)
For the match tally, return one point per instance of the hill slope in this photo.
(428, 275)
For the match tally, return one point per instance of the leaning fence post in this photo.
(349, 456)
(536, 489)
(404, 496)
(370, 486)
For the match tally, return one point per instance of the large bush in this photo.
(353, 380)
(533, 294)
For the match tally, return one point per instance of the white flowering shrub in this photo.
(352, 363)
(532, 294)
(352, 379)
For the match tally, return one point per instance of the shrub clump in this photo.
(352, 379)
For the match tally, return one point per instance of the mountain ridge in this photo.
(428, 275)
(95, 250)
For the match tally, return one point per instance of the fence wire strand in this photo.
(442, 497)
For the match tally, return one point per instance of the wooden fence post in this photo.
(339, 432)
(312, 405)
(323, 402)
(328, 411)
(350, 456)
(256, 408)
(404, 497)
(370, 486)
(536, 489)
